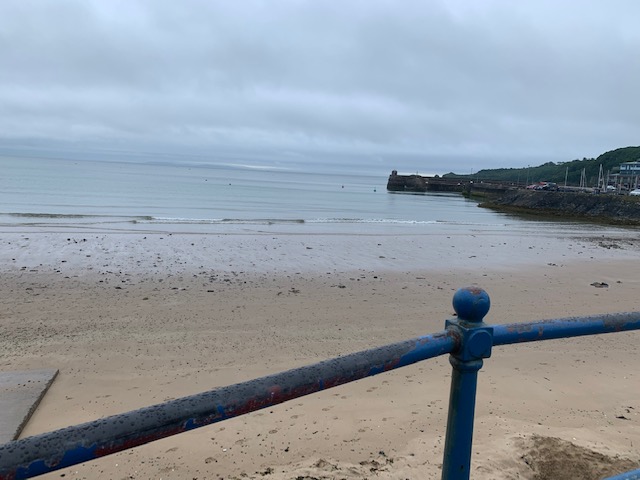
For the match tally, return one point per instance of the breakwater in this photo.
(420, 184)
(606, 208)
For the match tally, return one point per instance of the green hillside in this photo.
(555, 172)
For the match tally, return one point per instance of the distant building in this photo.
(630, 168)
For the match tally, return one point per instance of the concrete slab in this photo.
(20, 394)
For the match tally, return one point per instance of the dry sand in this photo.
(133, 320)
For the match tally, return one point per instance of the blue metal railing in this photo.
(467, 338)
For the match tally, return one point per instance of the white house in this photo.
(630, 168)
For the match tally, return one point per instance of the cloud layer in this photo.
(496, 79)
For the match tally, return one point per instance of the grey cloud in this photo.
(498, 78)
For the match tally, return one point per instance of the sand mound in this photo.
(551, 458)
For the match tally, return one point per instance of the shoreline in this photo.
(125, 336)
(283, 252)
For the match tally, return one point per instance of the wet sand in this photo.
(131, 320)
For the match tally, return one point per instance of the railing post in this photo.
(475, 340)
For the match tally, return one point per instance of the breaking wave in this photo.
(69, 215)
(43, 219)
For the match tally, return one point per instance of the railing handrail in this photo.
(466, 338)
(42, 453)
(568, 327)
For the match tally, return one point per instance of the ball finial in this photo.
(471, 304)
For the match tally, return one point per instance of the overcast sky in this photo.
(444, 82)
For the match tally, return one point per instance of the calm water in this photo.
(148, 195)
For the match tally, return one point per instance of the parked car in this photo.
(635, 192)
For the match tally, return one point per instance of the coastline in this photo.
(611, 209)
(132, 321)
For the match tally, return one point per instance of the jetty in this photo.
(422, 184)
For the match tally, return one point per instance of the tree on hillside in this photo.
(555, 172)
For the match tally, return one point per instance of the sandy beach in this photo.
(134, 319)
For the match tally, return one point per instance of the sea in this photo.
(200, 196)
